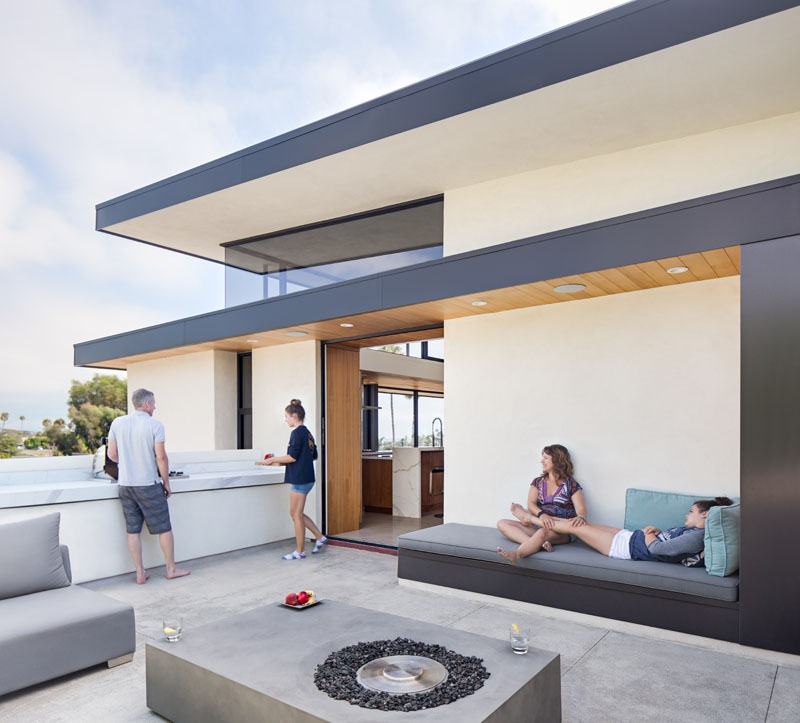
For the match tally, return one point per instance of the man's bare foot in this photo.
(510, 555)
(547, 547)
(141, 577)
(521, 513)
(177, 572)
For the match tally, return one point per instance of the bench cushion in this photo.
(51, 633)
(576, 559)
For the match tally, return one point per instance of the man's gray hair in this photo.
(141, 397)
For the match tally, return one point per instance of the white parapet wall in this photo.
(225, 503)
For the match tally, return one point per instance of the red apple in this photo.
(291, 599)
(302, 597)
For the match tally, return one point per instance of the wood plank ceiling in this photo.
(712, 264)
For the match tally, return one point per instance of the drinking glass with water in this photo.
(173, 629)
(519, 636)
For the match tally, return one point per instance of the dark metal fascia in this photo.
(747, 215)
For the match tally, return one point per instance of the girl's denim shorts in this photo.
(303, 489)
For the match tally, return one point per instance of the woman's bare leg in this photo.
(515, 531)
(541, 539)
(297, 501)
(597, 536)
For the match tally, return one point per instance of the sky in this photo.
(100, 98)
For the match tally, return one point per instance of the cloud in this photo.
(103, 98)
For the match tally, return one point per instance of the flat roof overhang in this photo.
(641, 73)
(617, 255)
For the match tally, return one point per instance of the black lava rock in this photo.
(337, 675)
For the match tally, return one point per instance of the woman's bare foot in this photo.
(141, 577)
(521, 513)
(510, 555)
(176, 572)
(547, 547)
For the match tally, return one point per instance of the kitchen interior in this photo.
(402, 440)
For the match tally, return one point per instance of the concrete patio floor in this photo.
(607, 675)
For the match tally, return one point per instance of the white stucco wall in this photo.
(643, 388)
(610, 185)
(280, 374)
(195, 398)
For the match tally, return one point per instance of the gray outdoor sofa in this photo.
(576, 577)
(49, 627)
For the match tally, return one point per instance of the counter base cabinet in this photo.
(376, 485)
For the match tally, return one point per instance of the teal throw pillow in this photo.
(723, 540)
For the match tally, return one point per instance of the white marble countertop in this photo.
(81, 490)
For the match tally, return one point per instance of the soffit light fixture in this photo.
(297, 333)
(479, 303)
(678, 270)
(569, 288)
(253, 341)
(347, 325)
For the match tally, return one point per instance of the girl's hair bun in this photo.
(295, 402)
(723, 501)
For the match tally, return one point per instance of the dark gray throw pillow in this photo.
(30, 558)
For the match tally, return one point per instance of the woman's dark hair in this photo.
(706, 505)
(296, 408)
(562, 463)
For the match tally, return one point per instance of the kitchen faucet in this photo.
(433, 432)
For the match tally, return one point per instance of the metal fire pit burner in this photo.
(398, 674)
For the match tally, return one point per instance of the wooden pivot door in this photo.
(343, 438)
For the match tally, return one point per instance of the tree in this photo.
(4, 419)
(63, 440)
(21, 422)
(46, 423)
(102, 390)
(93, 406)
(8, 445)
(91, 423)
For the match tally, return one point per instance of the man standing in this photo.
(136, 442)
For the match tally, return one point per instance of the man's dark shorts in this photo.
(146, 503)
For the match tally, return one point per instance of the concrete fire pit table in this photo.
(259, 665)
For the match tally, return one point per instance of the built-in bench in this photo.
(575, 577)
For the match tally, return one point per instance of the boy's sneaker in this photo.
(318, 544)
(294, 556)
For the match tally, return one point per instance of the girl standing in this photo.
(299, 461)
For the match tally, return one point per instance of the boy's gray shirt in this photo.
(136, 435)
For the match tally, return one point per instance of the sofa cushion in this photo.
(30, 557)
(51, 633)
(661, 509)
(576, 559)
(722, 540)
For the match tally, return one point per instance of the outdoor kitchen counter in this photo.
(81, 490)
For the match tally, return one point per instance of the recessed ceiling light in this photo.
(678, 270)
(346, 325)
(253, 341)
(479, 303)
(297, 333)
(569, 288)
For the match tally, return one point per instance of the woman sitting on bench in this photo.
(677, 544)
(555, 496)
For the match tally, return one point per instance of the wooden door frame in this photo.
(356, 342)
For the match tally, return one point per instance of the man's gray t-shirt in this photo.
(136, 435)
